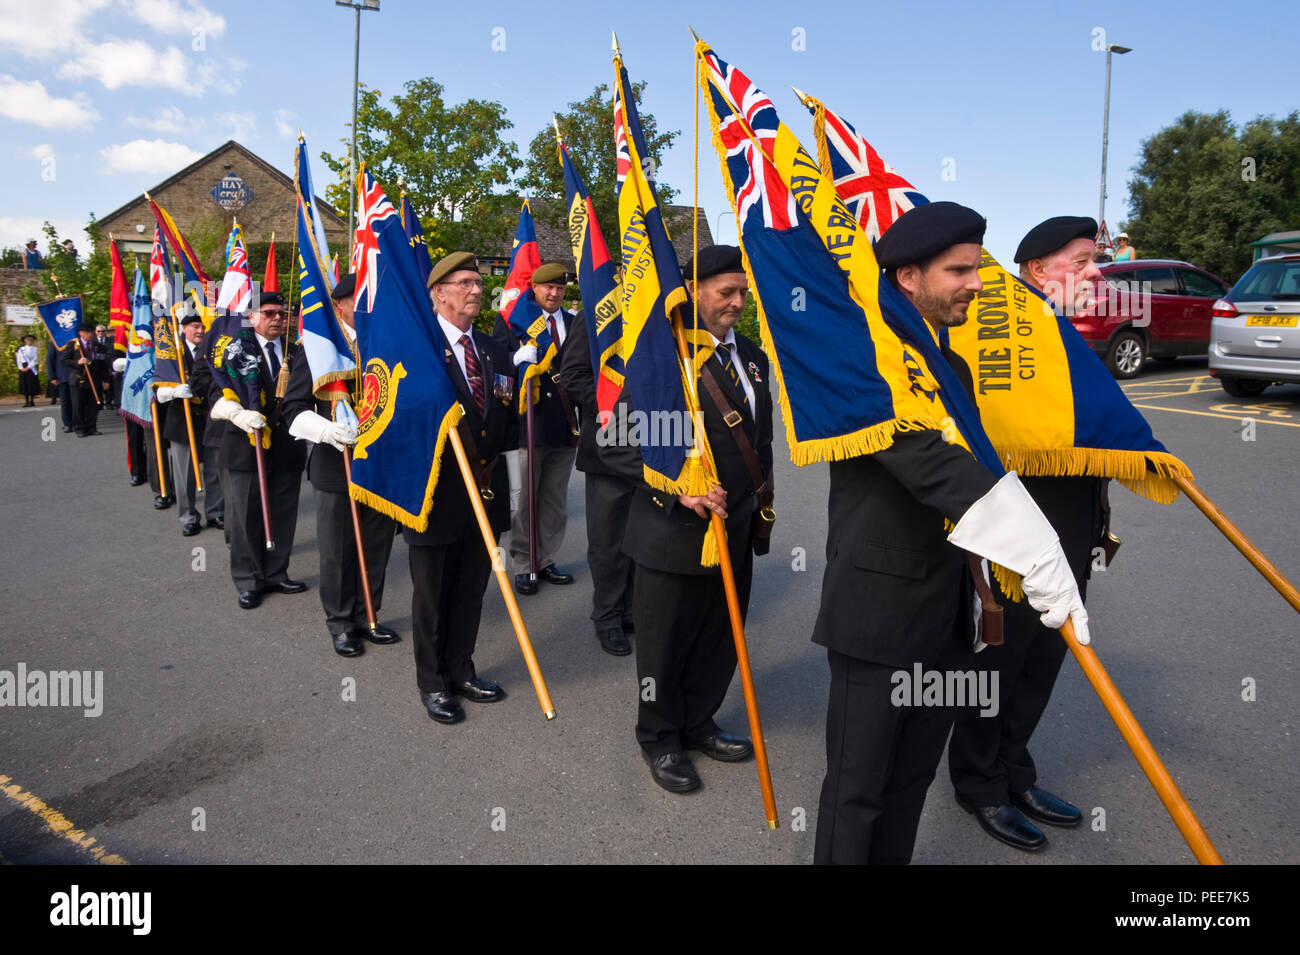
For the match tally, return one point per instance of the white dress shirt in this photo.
(736, 363)
(561, 331)
(453, 335)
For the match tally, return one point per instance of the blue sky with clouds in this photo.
(100, 99)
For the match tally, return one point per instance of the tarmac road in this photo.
(241, 714)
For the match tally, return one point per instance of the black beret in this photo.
(1052, 234)
(924, 231)
(346, 287)
(191, 317)
(270, 298)
(715, 260)
(454, 262)
(549, 272)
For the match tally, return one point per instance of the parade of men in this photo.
(427, 320)
(341, 580)
(554, 441)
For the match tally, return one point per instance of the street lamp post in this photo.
(356, 62)
(1105, 127)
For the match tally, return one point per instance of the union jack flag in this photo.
(160, 272)
(237, 285)
(869, 186)
(762, 198)
(374, 209)
(622, 157)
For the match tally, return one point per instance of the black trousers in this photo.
(684, 646)
(252, 566)
(989, 759)
(880, 761)
(448, 582)
(608, 500)
(341, 594)
(136, 436)
(65, 403)
(85, 409)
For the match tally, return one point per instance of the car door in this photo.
(1200, 292)
(1163, 324)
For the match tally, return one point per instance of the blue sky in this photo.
(100, 99)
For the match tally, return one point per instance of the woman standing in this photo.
(1123, 251)
(29, 379)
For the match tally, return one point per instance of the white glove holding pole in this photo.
(238, 415)
(309, 426)
(119, 365)
(526, 353)
(182, 391)
(165, 394)
(1006, 527)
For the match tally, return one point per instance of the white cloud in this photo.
(286, 123)
(173, 16)
(31, 102)
(166, 119)
(118, 63)
(147, 155)
(39, 30)
(43, 151)
(238, 126)
(16, 230)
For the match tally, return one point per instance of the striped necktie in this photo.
(723, 351)
(474, 373)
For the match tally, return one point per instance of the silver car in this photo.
(1255, 333)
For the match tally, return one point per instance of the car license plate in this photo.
(1273, 321)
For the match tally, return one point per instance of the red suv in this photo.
(1157, 308)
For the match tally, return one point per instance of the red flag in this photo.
(119, 303)
(271, 281)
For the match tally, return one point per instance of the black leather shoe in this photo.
(628, 627)
(1041, 805)
(613, 641)
(189, 530)
(218, 522)
(442, 707)
(723, 747)
(348, 644)
(553, 576)
(248, 599)
(93, 432)
(525, 585)
(674, 772)
(287, 586)
(1007, 824)
(68, 430)
(137, 481)
(381, 634)
(479, 690)
(161, 503)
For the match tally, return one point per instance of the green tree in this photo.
(88, 275)
(454, 160)
(588, 129)
(1203, 191)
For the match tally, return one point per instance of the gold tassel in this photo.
(1009, 581)
(709, 556)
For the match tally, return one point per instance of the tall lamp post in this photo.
(1105, 127)
(356, 61)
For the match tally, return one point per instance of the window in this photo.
(1161, 281)
(1200, 284)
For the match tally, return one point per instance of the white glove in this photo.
(182, 391)
(309, 426)
(119, 364)
(248, 421)
(1006, 527)
(224, 409)
(165, 394)
(526, 353)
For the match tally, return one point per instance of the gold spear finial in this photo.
(614, 44)
(694, 34)
(803, 97)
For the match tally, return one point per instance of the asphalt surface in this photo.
(241, 714)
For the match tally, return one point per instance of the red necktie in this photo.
(474, 373)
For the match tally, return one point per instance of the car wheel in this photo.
(1127, 355)
(1243, 387)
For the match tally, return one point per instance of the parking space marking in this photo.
(1211, 414)
(58, 823)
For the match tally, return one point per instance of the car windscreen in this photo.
(1268, 281)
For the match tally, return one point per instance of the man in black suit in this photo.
(108, 387)
(177, 434)
(609, 496)
(449, 564)
(992, 770)
(310, 419)
(684, 645)
(254, 569)
(84, 362)
(898, 590)
(59, 378)
(554, 437)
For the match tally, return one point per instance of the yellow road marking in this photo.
(58, 823)
(1210, 414)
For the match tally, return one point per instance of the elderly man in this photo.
(554, 438)
(83, 363)
(992, 771)
(177, 434)
(255, 570)
(898, 591)
(341, 594)
(450, 566)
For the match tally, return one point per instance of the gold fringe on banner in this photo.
(1149, 474)
(417, 522)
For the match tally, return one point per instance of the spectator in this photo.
(29, 379)
(1123, 251)
(70, 249)
(32, 258)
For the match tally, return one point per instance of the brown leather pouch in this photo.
(990, 609)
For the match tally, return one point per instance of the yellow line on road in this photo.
(58, 823)
(1211, 414)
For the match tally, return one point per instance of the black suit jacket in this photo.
(663, 535)
(579, 380)
(324, 461)
(551, 428)
(234, 449)
(77, 374)
(895, 591)
(494, 432)
(173, 428)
